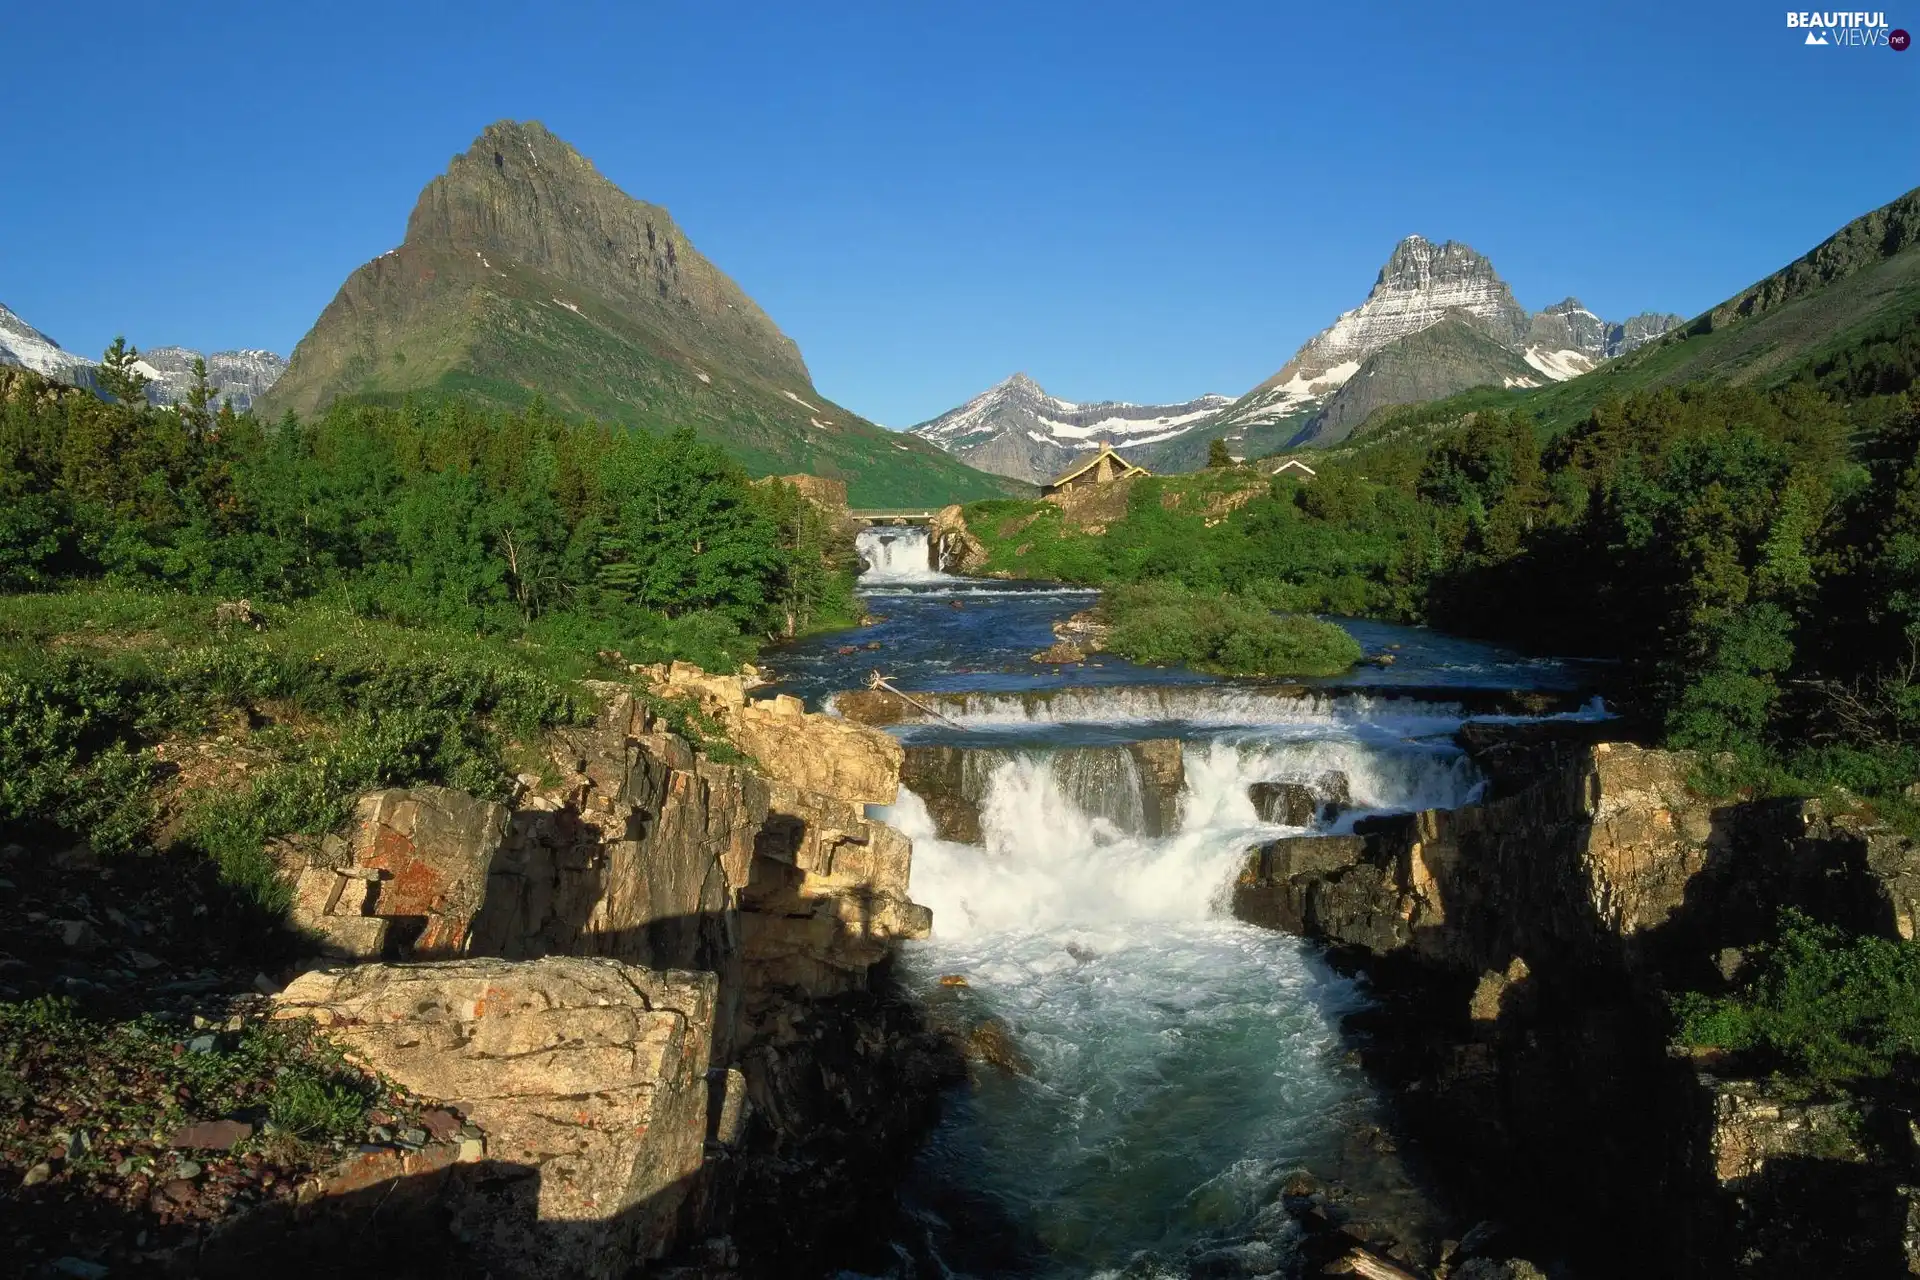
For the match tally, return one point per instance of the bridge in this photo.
(907, 515)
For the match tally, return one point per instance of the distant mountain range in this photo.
(526, 274)
(1016, 429)
(240, 377)
(1437, 321)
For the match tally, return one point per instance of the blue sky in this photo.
(1136, 201)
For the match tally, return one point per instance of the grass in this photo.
(1164, 623)
(90, 681)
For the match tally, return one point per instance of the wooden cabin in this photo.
(1103, 467)
(1297, 467)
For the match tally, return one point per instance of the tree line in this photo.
(442, 514)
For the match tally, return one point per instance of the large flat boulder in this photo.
(587, 1074)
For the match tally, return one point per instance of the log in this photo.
(878, 681)
(1374, 1267)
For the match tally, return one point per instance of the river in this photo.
(1175, 1065)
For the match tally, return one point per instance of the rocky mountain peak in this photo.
(1417, 263)
(520, 197)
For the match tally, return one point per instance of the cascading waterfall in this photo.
(894, 554)
(1182, 1062)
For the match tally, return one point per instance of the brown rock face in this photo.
(1523, 949)
(607, 939)
(955, 549)
(589, 1074)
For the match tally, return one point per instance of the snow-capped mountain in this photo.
(1017, 429)
(237, 376)
(22, 344)
(1422, 284)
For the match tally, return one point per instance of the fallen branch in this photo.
(878, 681)
(1371, 1265)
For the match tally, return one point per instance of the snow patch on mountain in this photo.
(239, 377)
(1015, 428)
(1559, 365)
(23, 345)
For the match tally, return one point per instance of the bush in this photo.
(1820, 1004)
(66, 765)
(1166, 623)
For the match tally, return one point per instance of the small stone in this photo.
(472, 1150)
(79, 1268)
(412, 1137)
(441, 1123)
(37, 1175)
(952, 980)
(78, 934)
(179, 1190)
(379, 1133)
(211, 1135)
(78, 1144)
(186, 1170)
(126, 1166)
(141, 960)
(201, 1044)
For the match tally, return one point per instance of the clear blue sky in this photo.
(1137, 201)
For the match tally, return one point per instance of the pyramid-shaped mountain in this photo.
(525, 273)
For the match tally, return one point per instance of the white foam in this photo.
(898, 554)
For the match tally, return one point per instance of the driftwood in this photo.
(1374, 1267)
(878, 681)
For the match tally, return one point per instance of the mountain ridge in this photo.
(527, 274)
(238, 376)
(1015, 428)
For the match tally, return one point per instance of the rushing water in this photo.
(1177, 1064)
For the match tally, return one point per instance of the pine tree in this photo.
(118, 376)
(197, 409)
(1217, 455)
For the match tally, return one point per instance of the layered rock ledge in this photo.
(1522, 950)
(652, 984)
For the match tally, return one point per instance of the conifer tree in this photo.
(118, 376)
(197, 408)
(1217, 455)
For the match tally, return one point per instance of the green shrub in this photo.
(67, 761)
(1820, 1004)
(314, 1104)
(1167, 623)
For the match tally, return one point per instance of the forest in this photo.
(507, 524)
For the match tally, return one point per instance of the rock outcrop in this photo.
(955, 549)
(587, 1075)
(653, 913)
(1522, 949)
(1135, 787)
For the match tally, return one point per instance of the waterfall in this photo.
(897, 554)
(1298, 709)
(1062, 830)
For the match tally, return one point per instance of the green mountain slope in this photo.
(1434, 362)
(526, 274)
(1857, 290)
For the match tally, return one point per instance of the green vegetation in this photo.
(425, 585)
(503, 524)
(1213, 631)
(1826, 1007)
(324, 703)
